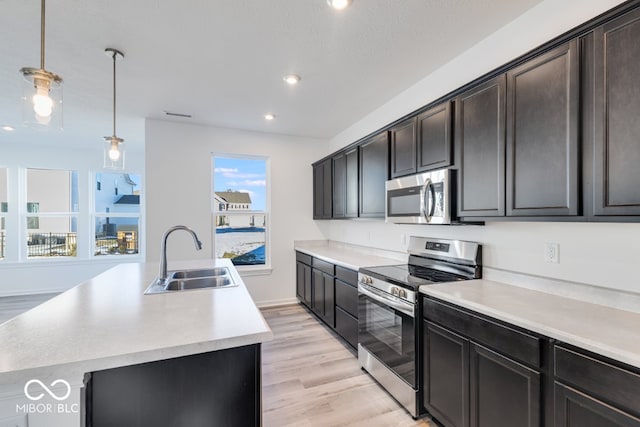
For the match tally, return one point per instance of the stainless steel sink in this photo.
(191, 274)
(199, 283)
(184, 280)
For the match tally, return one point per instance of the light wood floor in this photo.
(10, 307)
(310, 379)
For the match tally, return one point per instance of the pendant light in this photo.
(114, 146)
(42, 90)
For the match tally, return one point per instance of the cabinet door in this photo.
(576, 409)
(300, 280)
(502, 391)
(352, 183)
(480, 149)
(446, 375)
(617, 104)
(317, 291)
(318, 191)
(340, 186)
(308, 290)
(329, 300)
(542, 134)
(403, 148)
(327, 189)
(434, 138)
(374, 173)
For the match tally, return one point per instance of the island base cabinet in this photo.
(576, 409)
(220, 388)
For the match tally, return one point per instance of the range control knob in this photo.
(402, 293)
(395, 291)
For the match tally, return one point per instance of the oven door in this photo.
(386, 329)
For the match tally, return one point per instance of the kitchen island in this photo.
(107, 323)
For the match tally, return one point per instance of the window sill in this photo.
(259, 271)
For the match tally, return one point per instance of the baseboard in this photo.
(276, 302)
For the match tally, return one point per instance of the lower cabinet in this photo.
(468, 384)
(576, 409)
(331, 292)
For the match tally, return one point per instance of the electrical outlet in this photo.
(551, 253)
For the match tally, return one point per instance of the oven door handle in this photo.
(391, 301)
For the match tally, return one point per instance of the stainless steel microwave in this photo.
(420, 199)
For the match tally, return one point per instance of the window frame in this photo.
(244, 270)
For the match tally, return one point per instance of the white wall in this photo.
(511, 246)
(55, 275)
(179, 191)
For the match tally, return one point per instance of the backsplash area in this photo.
(603, 255)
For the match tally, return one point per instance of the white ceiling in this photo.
(223, 60)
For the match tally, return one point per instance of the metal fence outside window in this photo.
(51, 244)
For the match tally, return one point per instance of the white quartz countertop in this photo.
(108, 322)
(607, 331)
(349, 256)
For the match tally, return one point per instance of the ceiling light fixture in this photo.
(8, 128)
(114, 146)
(292, 79)
(339, 4)
(269, 116)
(42, 89)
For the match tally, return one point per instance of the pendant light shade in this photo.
(42, 90)
(114, 146)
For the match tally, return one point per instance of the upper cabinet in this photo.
(374, 173)
(322, 191)
(616, 130)
(403, 148)
(434, 138)
(542, 134)
(345, 184)
(480, 149)
(423, 142)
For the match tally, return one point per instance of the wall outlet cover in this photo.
(551, 253)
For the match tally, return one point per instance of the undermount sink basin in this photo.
(199, 283)
(184, 280)
(207, 272)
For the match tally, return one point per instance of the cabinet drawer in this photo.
(323, 266)
(519, 345)
(348, 276)
(347, 327)
(303, 258)
(610, 383)
(347, 298)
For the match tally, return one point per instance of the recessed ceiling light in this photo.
(292, 79)
(339, 4)
(269, 116)
(8, 128)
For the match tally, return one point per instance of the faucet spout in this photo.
(163, 248)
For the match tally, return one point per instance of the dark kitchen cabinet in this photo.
(373, 174)
(616, 105)
(480, 149)
(477, 372)
(219, 388)
(303, 278)
(323, 299)
(346, 288)
(345, 184)
(592, 391)
(434, 138)
(322, 190)
(403, 148)
(543, 176)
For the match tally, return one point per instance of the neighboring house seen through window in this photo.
(240, 210)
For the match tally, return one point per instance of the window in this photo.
(240, 210)
(53, 196)
(3, 209)
(117, 214)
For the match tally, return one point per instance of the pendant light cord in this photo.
(42, 23)
(114, 92)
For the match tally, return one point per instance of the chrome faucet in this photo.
(163, 248)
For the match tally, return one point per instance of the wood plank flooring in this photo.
(10, 307)
(309, 378)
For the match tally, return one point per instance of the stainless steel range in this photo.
(390, 316)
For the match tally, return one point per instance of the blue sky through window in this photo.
(246, 175)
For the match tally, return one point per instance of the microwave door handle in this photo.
(427, 190)
(401, 306)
